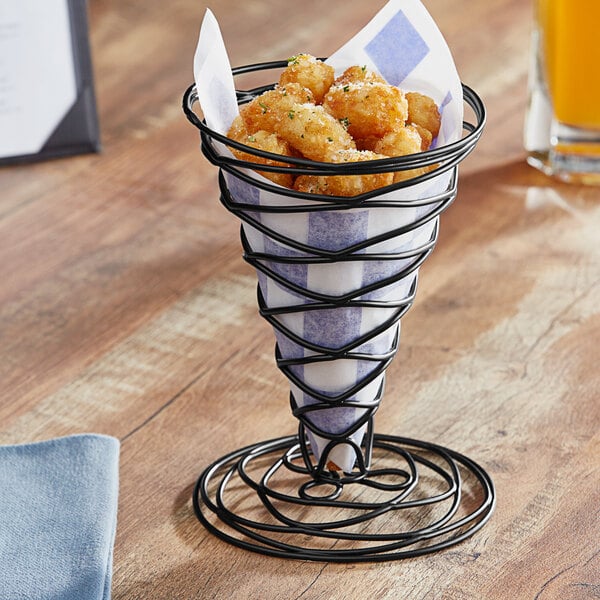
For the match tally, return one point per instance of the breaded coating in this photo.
(361, 118)
(423, 111)
(368, 109)
(404, 175)
(426, 137)
(262, 140)
(299, 93)
(356, 74)
(258, 114)
(344, 185)
(307, 127)
(238, 130)
(310, 73)
(312, 131)
(402, 142)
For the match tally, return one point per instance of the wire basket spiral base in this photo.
(419, 498)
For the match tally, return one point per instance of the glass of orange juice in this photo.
(562, 127)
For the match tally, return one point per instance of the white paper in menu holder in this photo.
(37, 74)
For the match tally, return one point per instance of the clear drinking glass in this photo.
(562, 126)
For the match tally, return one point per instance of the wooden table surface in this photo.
(126, 309)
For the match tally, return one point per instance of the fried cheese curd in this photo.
(356, 74)
(370, 108)
(310, 73)
(402, 142)
(306, 126)
(262, 140)
(422, 111)
(356, 117)
(345, 185)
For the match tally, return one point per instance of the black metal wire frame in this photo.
(293, 252)
(444, 159)
(442, 521)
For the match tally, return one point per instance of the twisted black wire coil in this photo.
(443, 464)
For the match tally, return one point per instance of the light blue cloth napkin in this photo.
(58, 514)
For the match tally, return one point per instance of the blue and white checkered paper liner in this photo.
(402, 43)
(335, 328)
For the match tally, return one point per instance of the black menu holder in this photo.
(78, 131)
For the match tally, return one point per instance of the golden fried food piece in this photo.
(423, 111)
(402, 142)
(307, 127)
(356, 74)
(258, 114)
(313, 132)
(310, 73)
(238, 130)
(361, 118)
(262, 140)
(297, 92)
(404, 175)
(367, 109)
(345, 185)
(426, 137)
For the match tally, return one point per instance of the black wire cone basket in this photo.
(338, 491)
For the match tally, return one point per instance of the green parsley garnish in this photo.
(345, 122)
(264, 107)
(291, 114)
(251, 138)
(346, 88)
(293, 60)
(364, 68)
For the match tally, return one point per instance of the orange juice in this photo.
(570, 44)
